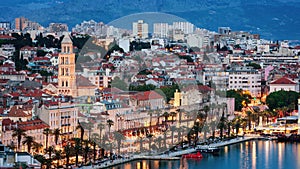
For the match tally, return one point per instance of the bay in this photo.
(256, 154)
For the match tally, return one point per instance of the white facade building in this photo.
(140, 29)
(161, 30)
(247, 79)
(285, 84)
(186, 27)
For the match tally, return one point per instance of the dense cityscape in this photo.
(96, 96)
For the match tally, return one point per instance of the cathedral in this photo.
(69, 83)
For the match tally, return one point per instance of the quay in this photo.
(171, 155)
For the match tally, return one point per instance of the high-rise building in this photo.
(23, 23)
(161, 30)
(20, 23)
(224, 30)
(58, 27)
(5, 26)
(66, 68)
(186, 27)
(140, 29)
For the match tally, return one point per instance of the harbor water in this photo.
(256, 154)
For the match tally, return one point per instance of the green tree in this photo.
(254, 65)
(29, 140)
(172, 129)
(239, 97)
(118, 83)
(57, 157)
(41, 159)
(77, 149)
(50, 150)
(280, 99)
(101, 127)
(118, 137)
(56, 133)
(19, 133)
(109, 123)
(37, 147)
(47, 132)
(86, 151)
(67, 151)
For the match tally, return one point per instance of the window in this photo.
(62, 83)
(68, 49)
(67, 83)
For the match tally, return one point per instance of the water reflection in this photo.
(254, 153)
(249, 155)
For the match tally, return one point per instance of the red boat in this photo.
(197, 155)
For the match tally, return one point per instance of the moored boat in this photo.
(197, 155)
(208, 149)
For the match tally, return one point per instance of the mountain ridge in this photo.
(273, 19)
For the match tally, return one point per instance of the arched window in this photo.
(68, 49)
(62, 83)
(67, 83)
(65, 50)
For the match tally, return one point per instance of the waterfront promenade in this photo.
(170, 156)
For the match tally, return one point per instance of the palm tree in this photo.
(77, 148)
(149, 136)
(81, 130)
(173, 129)
(159, 139)
(101, 126)
(141, 140)
(213, 125)
(119, 137)
(46, 132)
(249, 113)
(94, 141)
(29, 140)
(57, 156)
(50, 150)
(165, 139)
(19, 133)
(109, 124)
(67, 150)
(229, 123)
(179, 116)
(150, 113)
(237, 124)
(37, 147)
(86, 150)
(41, 159)
(158, 114)
(205, 130)
(56, 133)
(222, 123)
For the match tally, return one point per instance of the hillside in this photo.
(273, 19)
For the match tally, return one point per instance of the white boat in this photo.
(207, 149)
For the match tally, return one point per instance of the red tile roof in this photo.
(283, 80)
(148, 95)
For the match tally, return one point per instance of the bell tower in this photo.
(66, 68)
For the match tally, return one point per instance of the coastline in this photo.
(170, 156)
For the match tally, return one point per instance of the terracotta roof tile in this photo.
(283, 80)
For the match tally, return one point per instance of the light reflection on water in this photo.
(248, 155)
